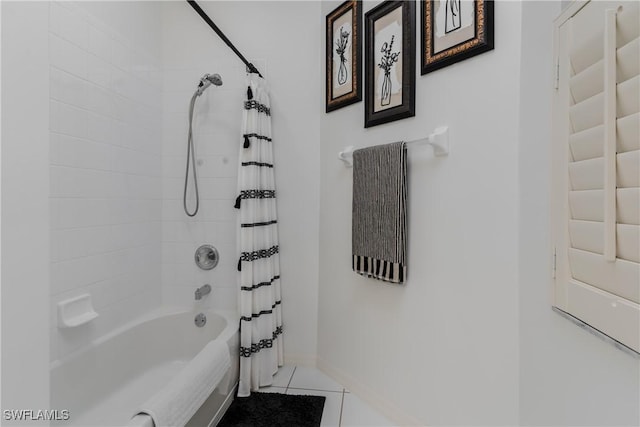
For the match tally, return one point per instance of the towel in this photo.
(175, 404)
(379, 218)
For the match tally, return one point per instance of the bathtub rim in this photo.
(230, 317)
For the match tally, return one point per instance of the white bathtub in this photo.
(103, 385)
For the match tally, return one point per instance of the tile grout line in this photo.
(341, 407)
(316, 389)
(290, 379)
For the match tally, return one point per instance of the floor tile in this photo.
(357, 413)
(313, 379)
(282, 378)
(271, 389)
(332, 405)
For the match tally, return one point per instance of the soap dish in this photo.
(75, 311)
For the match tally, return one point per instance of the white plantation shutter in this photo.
(596, 168)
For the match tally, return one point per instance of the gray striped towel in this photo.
(379, 218)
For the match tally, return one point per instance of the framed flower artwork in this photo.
(390, 71)
(454, 30)
(344, 50)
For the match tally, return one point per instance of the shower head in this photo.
(214, 78)
(207, 80)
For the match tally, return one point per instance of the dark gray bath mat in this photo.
(274, 410)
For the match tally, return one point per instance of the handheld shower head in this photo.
(207, 80)
(214, 78)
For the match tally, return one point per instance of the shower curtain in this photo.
(259, 265)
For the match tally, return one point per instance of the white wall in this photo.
(105, 191)
(282, 53)
(25, 206)
(567, 376)
(471, 338)
(443, 348)
(105, 156)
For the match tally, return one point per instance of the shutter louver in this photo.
(603, 207)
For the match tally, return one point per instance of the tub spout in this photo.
(202, 291)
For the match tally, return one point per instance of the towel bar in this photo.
(439, 140)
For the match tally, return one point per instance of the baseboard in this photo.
(304, 360)
(381, 404)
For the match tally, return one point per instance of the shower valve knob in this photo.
(207, 257)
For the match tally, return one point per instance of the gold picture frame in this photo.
(343, 55)
(454, 30)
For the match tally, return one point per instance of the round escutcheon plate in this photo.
(207, 257)
(200, 320)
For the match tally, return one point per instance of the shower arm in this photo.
(250, 67)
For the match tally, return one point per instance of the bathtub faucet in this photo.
(202, 291)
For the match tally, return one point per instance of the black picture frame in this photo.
(457, 43)
(382, 105)
(347, 50)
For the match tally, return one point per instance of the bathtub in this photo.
(103, 385)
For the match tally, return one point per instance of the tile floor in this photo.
(341, 408)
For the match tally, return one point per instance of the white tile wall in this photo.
(216, 132)
(105, 163)
(122, 75)
(291, 66)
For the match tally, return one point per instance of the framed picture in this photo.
(344, 50)
(390, 66)
(453, 30)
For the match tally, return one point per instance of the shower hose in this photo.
(191, 162)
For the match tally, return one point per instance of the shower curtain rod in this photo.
(214, 27)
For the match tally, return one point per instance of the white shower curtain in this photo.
(259, 265)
